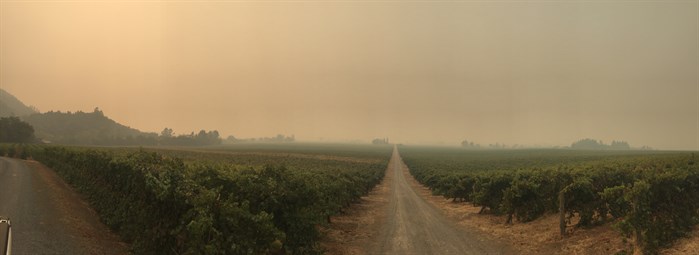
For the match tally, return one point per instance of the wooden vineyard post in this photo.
(562, 212)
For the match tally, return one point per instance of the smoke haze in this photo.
(535, 73)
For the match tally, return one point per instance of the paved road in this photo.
(47, 216)
(416, 227)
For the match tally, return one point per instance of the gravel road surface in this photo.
(47, 216)
(413, 226)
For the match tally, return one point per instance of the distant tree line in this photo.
(274, 139)
(592, 144)
(472, 145)
(584, 144)
(380, 141)
(204, 137)
(14, 130)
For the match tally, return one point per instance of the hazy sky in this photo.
(530, 72)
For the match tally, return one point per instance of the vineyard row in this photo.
(652, 200)
(164, 206)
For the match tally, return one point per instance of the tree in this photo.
(380, 141)
(588, 144)
(13, 130)
(469, 144)
(620, 145)
(290, 138)
(232, 139)
(167, 132)
(592, 144)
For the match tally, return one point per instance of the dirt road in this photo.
(47, 216)
(414, 226)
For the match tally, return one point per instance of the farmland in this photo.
(276, 198)
(216, 201)
(652, 198)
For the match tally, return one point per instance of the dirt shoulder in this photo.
(351, 231)
(685, 246)
(49, 217)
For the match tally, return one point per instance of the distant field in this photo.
(652, 197)
(289, 154)
(464, 160)
(334, 149)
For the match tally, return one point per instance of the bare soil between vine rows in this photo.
(391, 220)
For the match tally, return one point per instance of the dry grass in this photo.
(685, 246)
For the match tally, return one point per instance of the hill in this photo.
(74, 128)
(92, 128)
(11, 106)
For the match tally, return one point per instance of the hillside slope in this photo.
(92, 128)
(11, 106)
